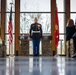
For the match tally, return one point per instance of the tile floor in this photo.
(37, 66)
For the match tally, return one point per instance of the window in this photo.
(35, 5)
(35, 8)
(73, 16)
(29, 9)
(8, 5)
(73, 4)
(61, 17)
(26, 19)
(60, 5)
(61, 31)
(8, 8)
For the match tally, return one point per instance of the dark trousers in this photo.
(74, 42)
(36, 44)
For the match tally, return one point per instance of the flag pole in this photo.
(9, 38)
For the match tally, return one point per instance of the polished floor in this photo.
(37, 66)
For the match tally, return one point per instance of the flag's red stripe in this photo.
(56, 30)
(10, 29)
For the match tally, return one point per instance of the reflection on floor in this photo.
(37, 66)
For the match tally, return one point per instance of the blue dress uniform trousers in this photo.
(36, 47)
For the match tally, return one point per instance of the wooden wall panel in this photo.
(53, 7)
(17, 24)
(67, 10)
(3, 19)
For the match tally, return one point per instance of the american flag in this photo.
(10, 28)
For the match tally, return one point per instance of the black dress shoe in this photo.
(36, 55)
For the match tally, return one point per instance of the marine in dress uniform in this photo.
(36, 35)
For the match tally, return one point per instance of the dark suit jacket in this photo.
(69, 32)
(36, 27)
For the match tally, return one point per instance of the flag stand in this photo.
(9, 49)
